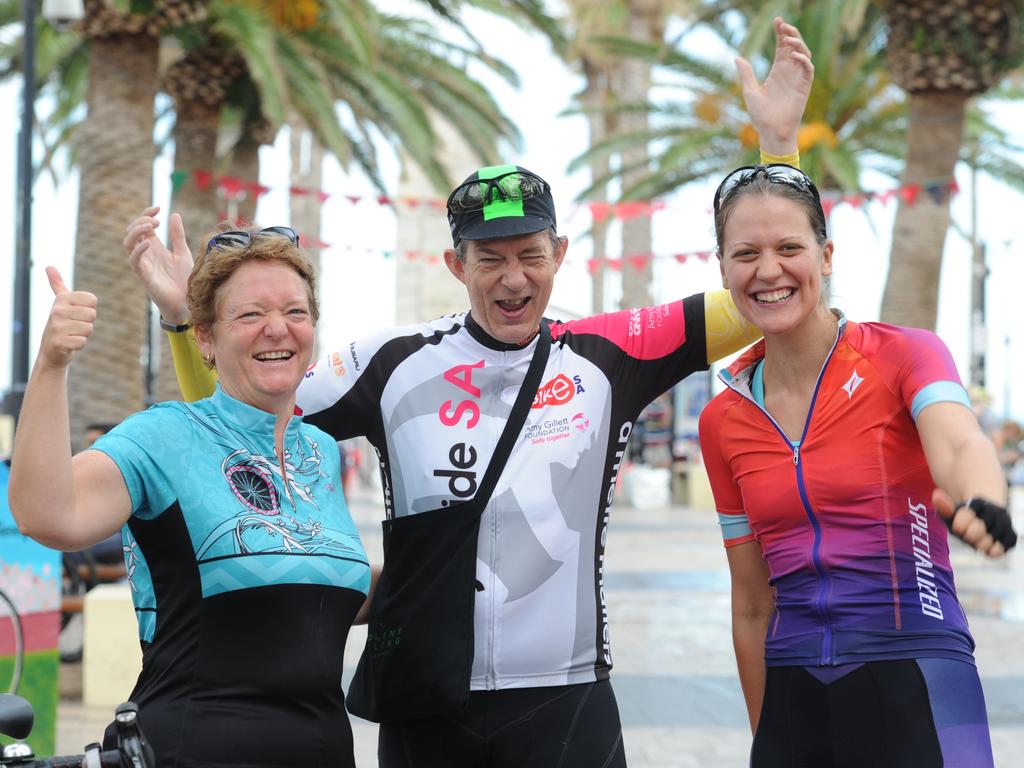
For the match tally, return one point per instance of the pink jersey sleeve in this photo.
(647, 333)
(917, 364)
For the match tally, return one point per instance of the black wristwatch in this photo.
(172, 328)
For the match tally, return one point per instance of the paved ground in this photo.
(675, 678)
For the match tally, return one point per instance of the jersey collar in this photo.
(247, 417)
(740, 374)
(482, 336)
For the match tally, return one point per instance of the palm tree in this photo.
(115, 161)
(854, 117)
(613, 81)
(941, 53)
(646, 24)
(589, 21)
(264, 59)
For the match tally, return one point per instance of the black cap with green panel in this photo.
(500, 201)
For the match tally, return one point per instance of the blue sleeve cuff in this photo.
(734, 526)
(939, 392)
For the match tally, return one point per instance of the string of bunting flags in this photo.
(233, 188)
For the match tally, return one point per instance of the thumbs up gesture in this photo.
(72, 319)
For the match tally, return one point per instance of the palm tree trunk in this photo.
(195, 149)
(934, 134)
(307, 159)
(596, 96)
(115, 183)
(244, 164)
(635, 86)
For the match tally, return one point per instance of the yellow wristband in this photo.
(793, 159)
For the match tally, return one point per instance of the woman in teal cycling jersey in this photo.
(246, 569)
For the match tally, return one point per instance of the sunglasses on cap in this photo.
(241, 238)
(514, 185)
(775, 173)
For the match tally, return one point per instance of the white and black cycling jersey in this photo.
(433, 399)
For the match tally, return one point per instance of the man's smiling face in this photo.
(509, 280)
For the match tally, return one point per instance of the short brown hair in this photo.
(214, 267)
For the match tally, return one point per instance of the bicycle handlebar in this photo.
(133, 751)
(16, 716)
(110, 758)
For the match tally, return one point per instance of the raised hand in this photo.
(71, 322)
(163, 273)
(776, 106)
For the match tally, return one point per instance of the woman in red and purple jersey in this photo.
(824, 454)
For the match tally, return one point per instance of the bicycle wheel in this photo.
(9, 615)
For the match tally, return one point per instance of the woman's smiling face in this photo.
(772, 263)
(262, 338)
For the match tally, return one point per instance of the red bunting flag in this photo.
(593, 265)
(202, 179)
(257, 189)
(353, 198)
(909, 193)
(633, 209)
(639, 261)
(599, 211)
(615, 265)
(680, 257)
(298, 191)
(231, 186)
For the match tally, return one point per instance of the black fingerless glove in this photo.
(996, 519)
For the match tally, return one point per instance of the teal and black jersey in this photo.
(246, 572)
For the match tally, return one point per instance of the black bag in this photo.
(419, 649)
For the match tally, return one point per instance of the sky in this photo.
(360, 234)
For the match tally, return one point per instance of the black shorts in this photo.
(914, 713)
(573, 726)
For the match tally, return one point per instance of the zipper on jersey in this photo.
(821, 600)
(491, 675)
(284, 476)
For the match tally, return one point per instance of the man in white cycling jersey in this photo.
(432, 398)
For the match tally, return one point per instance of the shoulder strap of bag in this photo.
(516, 419)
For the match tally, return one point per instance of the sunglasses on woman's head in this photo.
(242, 238)
(775, 173)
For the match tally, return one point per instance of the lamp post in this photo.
(23, 223)
(60, 12)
